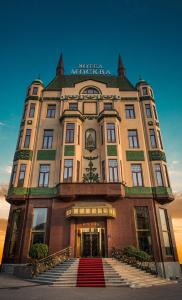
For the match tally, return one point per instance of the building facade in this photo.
(90, 170)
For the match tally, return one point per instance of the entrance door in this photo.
(90, 244)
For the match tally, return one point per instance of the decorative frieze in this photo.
(157, 155)
(17, 191)
(23, 155)
(138, 190)
(69, 150)
(46, 154)
(135, 156)
(111, 150)
(39, 191)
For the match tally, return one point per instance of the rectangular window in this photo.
(47, 139)
(108, 106)
(102, 134)
(78, 171)
(68, 170)
(44, 175)
(167, 176)
(39, 225)
(166, 231)
(130, 111)
(152, 138)
(73, 106)
(158, 175)
(155, 112)
(133, 138)
(21, 175)
(35, 90)
(111, 135)
(27, 138)
(137, 175)
(13, 176)
(103, 170)
(70, 132)
(143, 228)
(148, 110)
(113, 170)
(51, 111)
(25, 112)
(78, 134)
(160, 139)
(14, 232)
(20, 139)
(32, 110)
(144, 91)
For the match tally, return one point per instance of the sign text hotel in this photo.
(90, 69)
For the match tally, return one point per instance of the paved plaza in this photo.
(12, 288)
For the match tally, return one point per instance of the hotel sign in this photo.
(90, 69)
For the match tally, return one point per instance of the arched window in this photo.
(90, 90)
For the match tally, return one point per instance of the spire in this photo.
(60, 66)
(121, 68)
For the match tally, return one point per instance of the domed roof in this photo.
(37, 81)
(141, 82)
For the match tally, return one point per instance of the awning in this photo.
(91, 209)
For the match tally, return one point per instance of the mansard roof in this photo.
(65, 81)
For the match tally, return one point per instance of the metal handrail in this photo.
(135, 261)
(50, 261)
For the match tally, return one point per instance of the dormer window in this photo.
(144, 91)
(90, 91)
(35, 90)
(73, 106)
(107, 106)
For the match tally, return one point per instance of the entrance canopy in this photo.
(91, 209)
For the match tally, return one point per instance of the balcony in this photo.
(109, 191)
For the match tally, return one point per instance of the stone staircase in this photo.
(136, 278)
(115, 274)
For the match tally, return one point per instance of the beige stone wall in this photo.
(89, 108)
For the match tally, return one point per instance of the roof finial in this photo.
(121, 68)
(60, 66)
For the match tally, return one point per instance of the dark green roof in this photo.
(62, 81)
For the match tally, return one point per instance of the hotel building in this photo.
(90, 170)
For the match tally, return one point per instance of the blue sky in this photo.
(147, 33)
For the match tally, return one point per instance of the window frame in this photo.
(133, 141)
(27, 138)
(21, 172)
(108, 103)
(158, 175)
(45, 174)
(146, 230)
(32, 110)
(153, 140)
(148, 109)
(111, 133)
(35, 90)
(67, 169)
(47, 139)
(51, 112)
(137, 176)
(70, 133)
(43, 231)
(113, 171)
(130, 111)
(167, 230)
(73, 103)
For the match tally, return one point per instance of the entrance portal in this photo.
(91, 242)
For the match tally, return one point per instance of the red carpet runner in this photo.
(90, 273)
